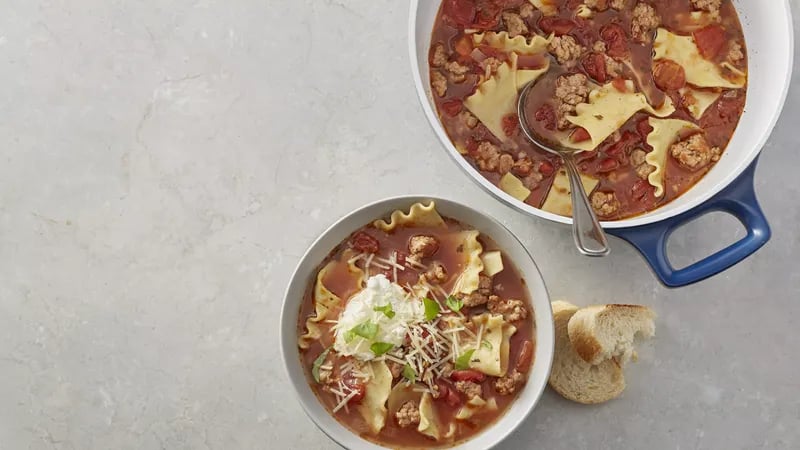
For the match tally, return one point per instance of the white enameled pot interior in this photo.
(769, 35)
(306, 271)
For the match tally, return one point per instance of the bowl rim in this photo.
(544, 330)
(657, 215)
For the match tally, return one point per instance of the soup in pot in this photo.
(651, 91)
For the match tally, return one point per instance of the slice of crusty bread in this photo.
(574, 378)
(603, 332)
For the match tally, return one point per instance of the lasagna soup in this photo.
(651, 91)
(417, 331)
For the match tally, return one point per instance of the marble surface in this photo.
(164, 165)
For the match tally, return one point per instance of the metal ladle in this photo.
(589, 236)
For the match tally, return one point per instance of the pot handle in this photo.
(738, 199)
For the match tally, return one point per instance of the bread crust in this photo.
(583, 329)
(572, 377)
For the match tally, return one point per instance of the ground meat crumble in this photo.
(439, 56)
(487, 155)
(407, 415)
(508, 384)
(566, 49)
(643, 169)
(439, 83)
(469, 388)
(423, 245)
(694, 153)
(437, 273)
(458, 72)
(735, 53)
(570, 91)
(514, 24)
(605, 203)
(526, 10)
(511, 310)
(711, 6)
(481, 295)
(644, 21)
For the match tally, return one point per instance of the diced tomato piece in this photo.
(595, 66)
(580, 135)
(586, 156)
(467, 375)
(356, 385)
(626, 142)
(556, 25)
(452, 107)
(546, 168)
(492, 52)
(472, 145)
(546, 114)
(669, 75)
(710, 40)
(607, 165)
(525, 357)
(401, 258)
(462, 12)
(620, 84)
(616, 40)
(531, 61)
(641, 189)
(644, 128)
(510, 124)
(463, 45)
(452, 399)
(363, 242)
(488, 15)
(728, 108)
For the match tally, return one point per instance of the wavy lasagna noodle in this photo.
(373, 407)
(608, 110)
(469, 279)
(419, 215)
(324, 301)
(518, 44)
(559, 200)
(496, 98)
(698, 101)
(665, 133)
(491, 352)
(700, 72)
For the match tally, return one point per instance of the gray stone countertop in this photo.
(165, 164)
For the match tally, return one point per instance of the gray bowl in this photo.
(338, 232)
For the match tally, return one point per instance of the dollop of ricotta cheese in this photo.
(370, 307)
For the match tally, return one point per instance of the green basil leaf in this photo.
(431, 308)
(380, 348)
(454, 303)
(462, 362)
(318, 362)
(386, 309)
(409, 373)
(349, 336)
(367, 330)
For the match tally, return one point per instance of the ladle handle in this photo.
(589, 236)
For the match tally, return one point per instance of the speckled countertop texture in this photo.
(164, 165)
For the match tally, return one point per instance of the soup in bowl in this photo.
(414, 323)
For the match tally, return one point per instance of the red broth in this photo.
(508, 284)
(613, 162)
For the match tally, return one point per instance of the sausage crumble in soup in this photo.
(417, 332)
(650, 90)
